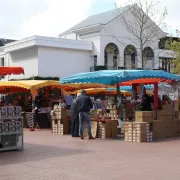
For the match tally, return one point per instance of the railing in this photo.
(97, 68)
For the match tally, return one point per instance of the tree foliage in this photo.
(175, 48)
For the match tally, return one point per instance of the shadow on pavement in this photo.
(35, 152)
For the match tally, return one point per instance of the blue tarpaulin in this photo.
(111, 77)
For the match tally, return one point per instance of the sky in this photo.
(23, 18)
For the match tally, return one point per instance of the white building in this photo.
(100, 41)
(44, 56)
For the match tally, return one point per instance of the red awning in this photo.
(11, 70)
(144, 81)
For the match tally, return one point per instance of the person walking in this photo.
(84, 105)
(75, 118)
(37, 105)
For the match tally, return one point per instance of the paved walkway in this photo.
(53, 157)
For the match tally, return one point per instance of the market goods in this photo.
(60, 123)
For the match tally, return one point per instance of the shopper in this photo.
(84, 105)
(37, 105)
(75, 118)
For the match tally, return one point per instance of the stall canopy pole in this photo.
(119, 105)
(155, 96)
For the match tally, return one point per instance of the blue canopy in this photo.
(111, 77)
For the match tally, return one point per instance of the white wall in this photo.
(96, 47)
(70, 36)
(26, 58)
(62, 62)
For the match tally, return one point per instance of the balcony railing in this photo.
(98, 68)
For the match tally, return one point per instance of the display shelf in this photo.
(11, 117)
(11, 133)
(10, 148)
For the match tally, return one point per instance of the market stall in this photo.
(137, 79)
(31, 87)
(11, 121)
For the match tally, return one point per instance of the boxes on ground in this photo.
(114, 125)
(59, 114)
(138, 132)
(176, 128)
(104, 129)
(176, 115)
(128, 127)
(144, 116)
(159, 129)
(161, 115)
(169, 128)
(60, 123)
(168, 108)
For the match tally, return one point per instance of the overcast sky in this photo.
(23, 18)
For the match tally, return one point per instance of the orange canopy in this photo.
(75, 87)
(10, 70)
(144, 81)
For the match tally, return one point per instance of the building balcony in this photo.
(98, 68)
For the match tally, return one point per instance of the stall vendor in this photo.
(146, 104)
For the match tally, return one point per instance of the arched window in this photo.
(130, 55)
(148, 53)
(111, 53)
(148, 56)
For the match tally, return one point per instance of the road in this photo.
(54, 157)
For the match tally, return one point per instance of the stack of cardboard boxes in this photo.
(107, 129)
(149, 126)
(167, 123)
(138, 132)
(60, 123)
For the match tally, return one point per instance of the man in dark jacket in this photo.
(75, 118)
(84, 105)
(37, 105)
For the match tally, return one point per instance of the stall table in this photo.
(43, 120)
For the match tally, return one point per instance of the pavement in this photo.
(56, 157)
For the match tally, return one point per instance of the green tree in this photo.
(175, 52)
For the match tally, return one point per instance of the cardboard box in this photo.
(114, 128)
(159, 129)
(161, 115)
(144, 116)
(128, 125)
(169, 118)
(106, 129)
(176, 115)
(168, 108)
